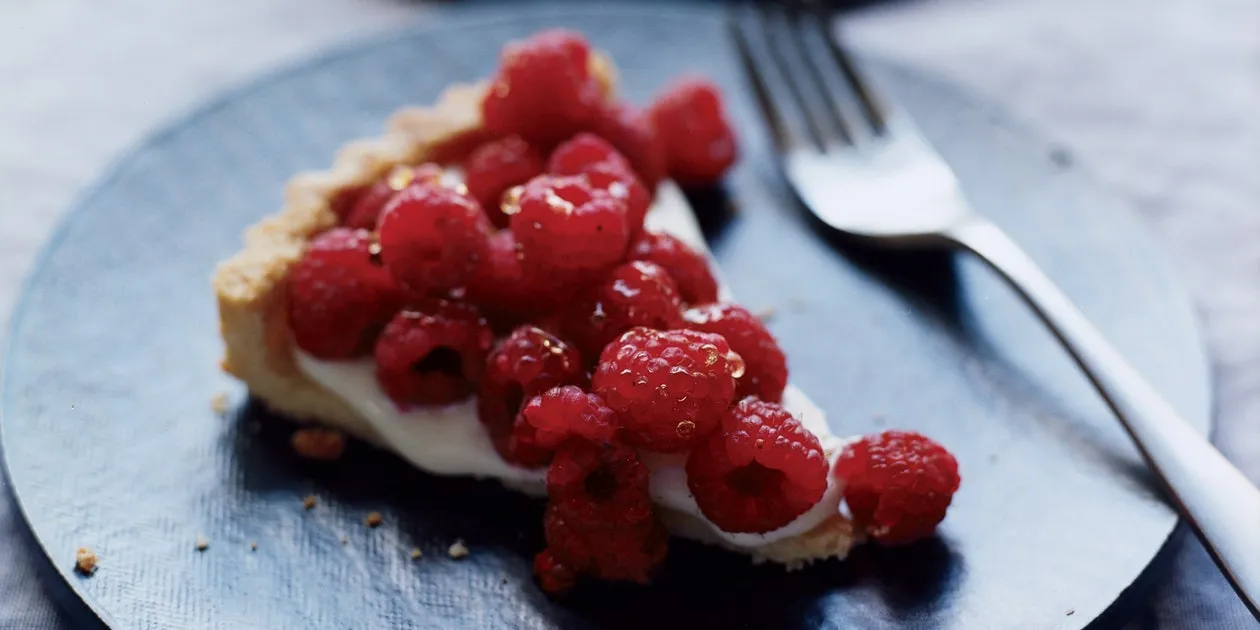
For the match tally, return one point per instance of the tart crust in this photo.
(259, 348)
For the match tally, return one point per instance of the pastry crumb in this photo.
(309, 501)
(1071, 612)
(253, 546)
(319, 443)
(202, 543)
(72, 405)
(373, 520)
(416, 553)
(219, 403)
(767, 314)
(458, 550)
(345, 540)
(503, 580)
(85, 561)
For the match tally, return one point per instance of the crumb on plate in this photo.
(319, 443)
(767, 314)
(202, 543)
(416, 553)
(373, 519)
(253, 546)
(309, 501)
(219, 403)
(85, 561)
(458, 550)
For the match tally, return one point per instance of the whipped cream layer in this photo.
(451, 440)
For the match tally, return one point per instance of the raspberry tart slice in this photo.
(503, 286)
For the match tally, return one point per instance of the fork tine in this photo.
(780, 131)
(779, 34)
(872, 107)
(804, 27)
(780, 96)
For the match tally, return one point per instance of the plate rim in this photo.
(471, 17)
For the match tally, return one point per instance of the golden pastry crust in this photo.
(259, 348)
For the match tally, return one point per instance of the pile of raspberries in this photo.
(532, 285)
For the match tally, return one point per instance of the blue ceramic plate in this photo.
(110, 441)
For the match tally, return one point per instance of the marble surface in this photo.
(1159, 100)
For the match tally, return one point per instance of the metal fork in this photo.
(837, 138)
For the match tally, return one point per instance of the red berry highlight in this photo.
(433, 354)
(527, 363)
(339, 296)
(635, 294)
(544, 90)
(599, 518)
(578, 153)
(898, 485)
(689, 269)
(698, 142)
(567, 412)
(765, 366)
(670, 389)
(759, 472)
(366, 211)
(432, 237)
(567, 230)
(494, 167)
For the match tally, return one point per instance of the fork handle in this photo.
(1213, 496)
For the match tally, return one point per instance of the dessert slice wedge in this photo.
(320, 374)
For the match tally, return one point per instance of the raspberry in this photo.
(563, 412)
(432, 236)
(698, 142)
(543, 90)
(759, 472)
(898, 485)
(496, 166)
(606, 169)
(765, 367)
(583, 150)
(567, 230)
(669, 388)
(553, 576)
(632, 132)
(599, 517)
(339, 297)
(498, 285)
(432, 355)
(688, 268)
(527, 363)
(367, 207)
(622, 184)
(637, 293)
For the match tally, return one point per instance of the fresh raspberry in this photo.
(599, 518)
(367, 208)
(606, 169)
(689, 269)
(669, 388)
(543, 90)
(759, 472)
(496, 166)
(898, 485)
(568, 230)
(499, 287)
(563, 412)
(631, 130)
(339, 296)
(621, 183)
(765, 367)
(581, 151)
(636, 293)
(691, 122)
(432, 355)
(527, 363)
(432, 237)
(553, 576)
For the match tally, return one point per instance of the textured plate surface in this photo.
(110, 441)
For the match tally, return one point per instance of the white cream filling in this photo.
(450, 440)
